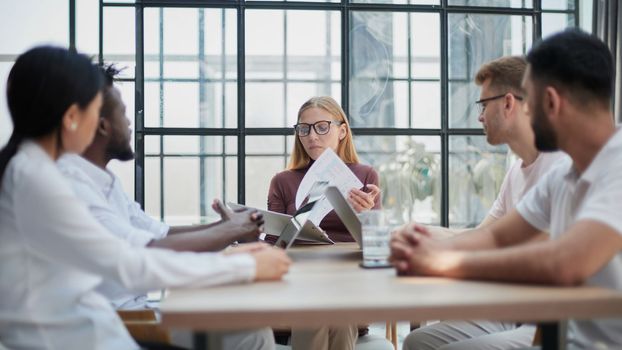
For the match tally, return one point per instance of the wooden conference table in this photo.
(325, 286)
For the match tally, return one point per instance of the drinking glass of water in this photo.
(376, 230)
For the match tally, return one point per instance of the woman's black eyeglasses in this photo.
(481, 106)
(321, 128)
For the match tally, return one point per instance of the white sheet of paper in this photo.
(328, 167)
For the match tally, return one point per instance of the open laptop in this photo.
(291, 227)
(276, 223)
(346, 214)
(299, 221)
(353, 224)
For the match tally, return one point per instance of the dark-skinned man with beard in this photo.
(101, 190)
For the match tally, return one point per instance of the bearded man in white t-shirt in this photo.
(501, 112)
(568, 88)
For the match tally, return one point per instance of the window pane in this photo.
(125, 172)
(266, 145)
(555, 22)
(153, 183)
(190, 82)
(119, 44)
(390, 54)
(586, 11)
(492, 3)
(24, 21)
(409, 170)
(6, 125)
(194, 170)
(476, 171)
(411, 2)
(87, 27)
(426, 105)
(301, 60)
(266, 156)
(558, 4)
(128, 93)
(259, 173)
(473, 40)
(301, 0)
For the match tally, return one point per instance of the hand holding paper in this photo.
(328, 167)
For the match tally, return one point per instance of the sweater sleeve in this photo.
(276, 200)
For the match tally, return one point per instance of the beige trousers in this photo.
(325, 338)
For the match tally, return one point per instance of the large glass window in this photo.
(220, 95)
(213, 90)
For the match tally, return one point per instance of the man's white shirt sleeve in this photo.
(535, 207)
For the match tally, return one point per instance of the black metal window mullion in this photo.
(537, 20)
(202, 95)
(241, 25)
(345, 56)
(161, 104)
(72, 25)
(444, 23)
(100, 35)
(223, 85)
(139, 103)
(284, 66)
(409, 55)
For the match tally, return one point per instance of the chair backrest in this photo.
(143, 325)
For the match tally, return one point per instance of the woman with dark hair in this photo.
(53, 253)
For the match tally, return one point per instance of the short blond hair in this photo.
(505, 73)
(345, 150)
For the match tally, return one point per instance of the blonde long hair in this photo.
(345, 150)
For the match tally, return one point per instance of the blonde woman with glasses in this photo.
(322, 124)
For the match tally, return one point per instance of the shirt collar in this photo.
(33, 149)
(102, 177)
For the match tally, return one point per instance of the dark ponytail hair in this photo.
(43, 83)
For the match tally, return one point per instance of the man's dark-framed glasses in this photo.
(321, 127)
(481, 104)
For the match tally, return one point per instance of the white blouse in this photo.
(53, 254)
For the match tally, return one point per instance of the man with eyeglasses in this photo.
(501, 112)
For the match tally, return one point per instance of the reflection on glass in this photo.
(392, 55)
(301, 59)
(194, 169)
(476, 171)
(473, 40)
(410, 176)
(191, 70)
(493, 3)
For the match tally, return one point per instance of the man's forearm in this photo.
(535, 263)
(463, 239)
(192, 228)
(215, 238)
